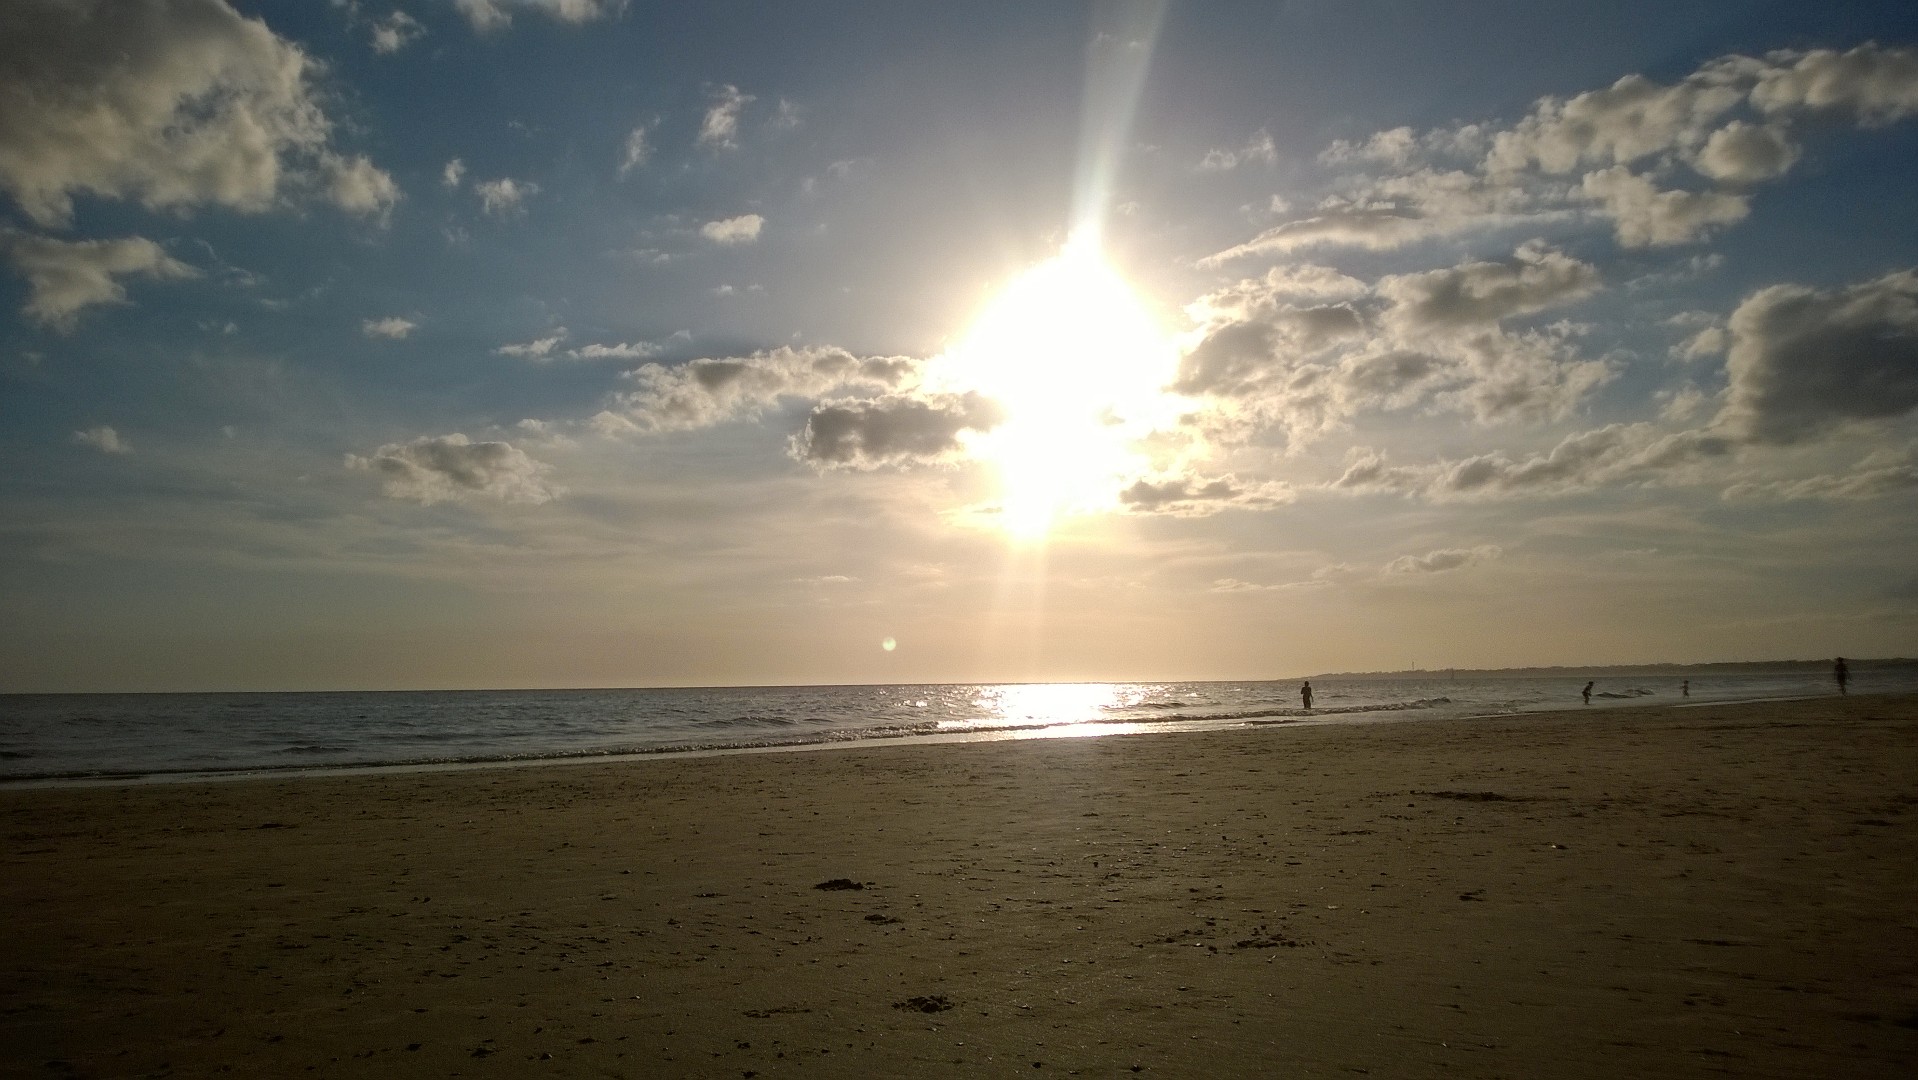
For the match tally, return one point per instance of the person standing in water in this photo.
(1685, 688)
(1305, 692)
(1842, 673)
(1587, 692)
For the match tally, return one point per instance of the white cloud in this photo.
(1742, 153)
(1731, 121)
(1384, 213)
(1859, 485)
(486, 16)
(1709, 342)
(1682, 404)
(1403, 149)
(396, 32)
(637, 152)
(1374, 228)
(104, 439)
(453, 468)
(504, 197)
(1647, 217)
(720, 128)
(1803, 364)
(1258, 150)
(632, 350)
(743, 229)
(1632, 119)
(1394, 147)
(453, 173)
(356, 186)
(1872, 84)
(1301, 281)
(174, 103)
(537, 349)
(1323, 577)
(546, 349)
(392, 328)
(64, 277)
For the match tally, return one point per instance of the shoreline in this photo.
(1643, 891)
(1093, 729)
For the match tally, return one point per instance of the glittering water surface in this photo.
(77, 735)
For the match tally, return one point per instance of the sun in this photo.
(1078, 362)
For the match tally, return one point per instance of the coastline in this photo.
(173, 767)
(1630, 891)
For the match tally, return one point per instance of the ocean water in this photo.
(159, 736)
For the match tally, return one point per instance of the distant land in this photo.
(1746, 667)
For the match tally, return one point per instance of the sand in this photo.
(1725, 890)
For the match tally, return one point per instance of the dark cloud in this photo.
(1617, 453)
(1242, 357)
(893, 431)
(1483, 293)
(453, 468)
(1805, 360)
(64, 277)
(1191, 496)
(705, 392)
(1437, 562)
(1395, 378)
(1425, 338)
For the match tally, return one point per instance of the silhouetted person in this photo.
(1685, 688)
(1842, 673)
(1588, 693)
(1306, 693)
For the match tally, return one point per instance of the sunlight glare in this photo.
(1077, 361)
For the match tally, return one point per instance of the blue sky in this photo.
(524, 343)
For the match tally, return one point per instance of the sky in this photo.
(540, 343)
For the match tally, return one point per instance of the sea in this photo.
(123, 738)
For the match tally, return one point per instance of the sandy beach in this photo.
(1722, 890)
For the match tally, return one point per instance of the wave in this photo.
(743, 732)
(1275, 709)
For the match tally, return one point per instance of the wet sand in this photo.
(1724, 890)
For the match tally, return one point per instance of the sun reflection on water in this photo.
(1052, 708)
